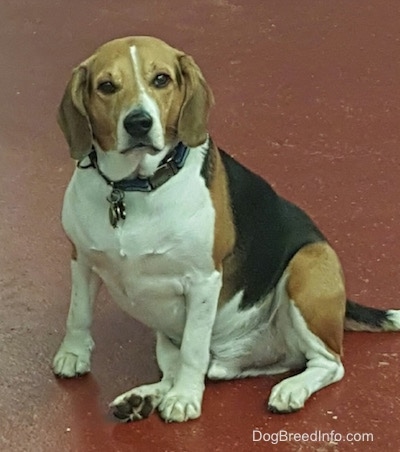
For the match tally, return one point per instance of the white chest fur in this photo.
(165, 241)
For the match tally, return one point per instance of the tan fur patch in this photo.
(316, 285)
(192, 124)
(224, 229)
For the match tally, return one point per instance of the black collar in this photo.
(168, 167)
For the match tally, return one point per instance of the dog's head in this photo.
(135, 93)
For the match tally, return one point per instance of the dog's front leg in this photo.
(73, 356)
(183, 401)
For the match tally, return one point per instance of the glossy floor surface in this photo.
(307, 95)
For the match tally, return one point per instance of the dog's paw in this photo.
(140, 402)
(72, 359)
(287, 397)
(134, 408)
(177, 407)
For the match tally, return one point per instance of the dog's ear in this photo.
(72, 115)
(192, 123)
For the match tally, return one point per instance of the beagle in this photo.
(235, 280)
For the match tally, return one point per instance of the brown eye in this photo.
(161, 80)
(107, 87)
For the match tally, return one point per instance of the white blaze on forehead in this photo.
(147, 103)
(136, 68)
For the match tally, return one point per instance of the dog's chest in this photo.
(146, 261)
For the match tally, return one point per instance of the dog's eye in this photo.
(161, 80)
(107, 87)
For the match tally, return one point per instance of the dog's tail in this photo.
(363, 318)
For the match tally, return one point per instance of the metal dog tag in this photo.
(117, 209)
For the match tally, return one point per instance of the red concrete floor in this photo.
(308, 96)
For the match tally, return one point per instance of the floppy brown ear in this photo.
(192, 124)
(72, 116)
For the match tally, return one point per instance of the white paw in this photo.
(180, 407)
(140, 402)
(287, 397)
(73, 357)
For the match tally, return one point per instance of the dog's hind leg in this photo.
(322, 369)
(140, 402)
(290, 394)
(316, 298)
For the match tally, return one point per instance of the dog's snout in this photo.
(138, 123)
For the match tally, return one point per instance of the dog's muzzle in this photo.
(138, 124)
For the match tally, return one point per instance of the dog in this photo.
(235, 280)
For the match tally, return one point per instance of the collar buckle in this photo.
(163, 173)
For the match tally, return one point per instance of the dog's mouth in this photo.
(140, 147)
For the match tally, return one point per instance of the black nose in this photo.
(138, 123)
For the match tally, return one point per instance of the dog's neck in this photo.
(166, 169)
(117, 166)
